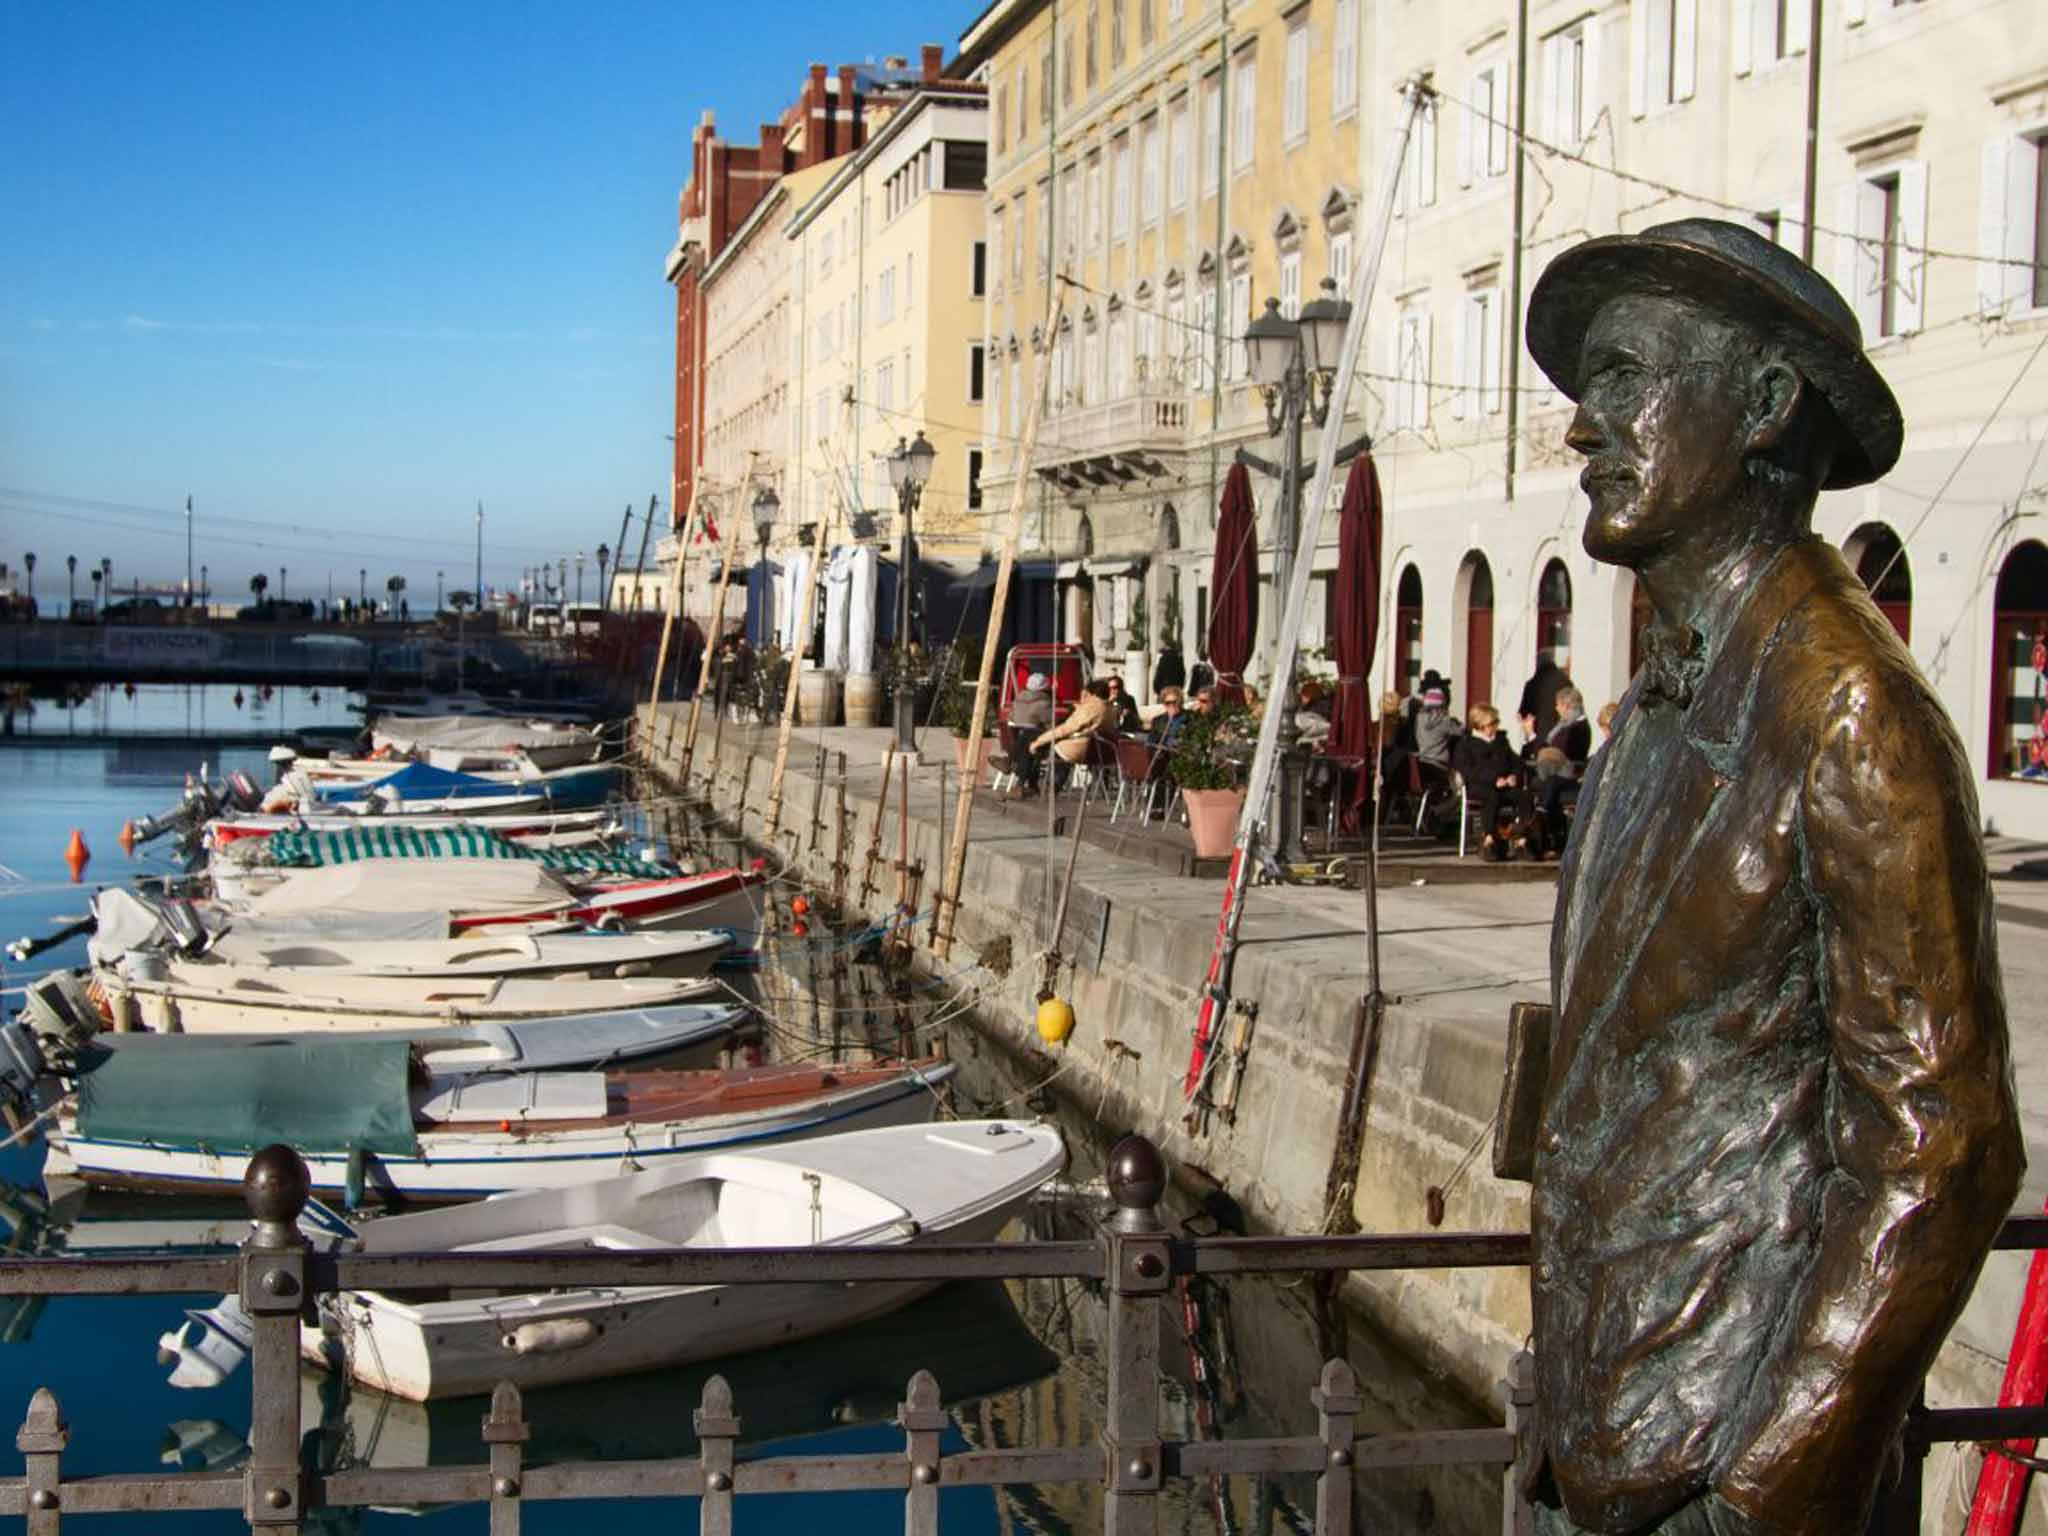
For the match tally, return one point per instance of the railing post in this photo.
(922, 1419)
(41, 1441)
(1517, 1517)
(505, 1431)
(1336, 1403)
(717, 1428)
(273, 1294)
(1138, 1263)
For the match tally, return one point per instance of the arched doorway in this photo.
(1408, 631)
(2019, 660)
(1880, 562)
(1475, 596)
(1554, 617)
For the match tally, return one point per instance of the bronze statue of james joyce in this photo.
(1777, 1130)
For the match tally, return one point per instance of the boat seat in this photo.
(592, 1235)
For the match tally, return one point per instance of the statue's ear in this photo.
(1776, 394)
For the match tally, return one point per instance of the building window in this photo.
(1244, 109)
(1571, 72)
(1120, 190)
(1151, 170)
(1067, 71)
(1043, 244)
(993, 252)
(1116, 34)
(1340, 261)
(1290, 284)
(1000, 118)
(1483, 125)
(1410, 403)
(885, 386)
(885, 296)
(965, 168)
(2014, 219)
(1146, 29)
(1045, 84)
(1119, 355)
(1091, 364)
(1016, 395)
(1477, 365)
(1095, 200)
(1023, 99)
(1881, 269)
(2019, 665)
(1094, 36)
(1344, 59)
(1177, 153)
(1408, 631)
(1294, 100)
(974, 462)
(1205, 338)
(1176, 9)
(1070, 220)
(1238, 317)
(980, 273)
(1179, 341)
(1664, 53)
(1769, 31)
(1418, 173)
(1146, 355)
(977, 373)
(1212, 132)
(1017, 245)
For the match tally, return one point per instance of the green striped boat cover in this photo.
(297, 849)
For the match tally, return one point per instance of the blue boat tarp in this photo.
(423, 781)
(322, 1096)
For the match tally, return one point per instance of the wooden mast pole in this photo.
(732, 540)
(670, 608)
(948, 903)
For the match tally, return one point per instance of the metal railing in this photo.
(278, 1280)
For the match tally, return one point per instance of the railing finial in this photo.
(1137, 1179)
(276, 1187)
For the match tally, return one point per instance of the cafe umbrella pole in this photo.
(1216, 983)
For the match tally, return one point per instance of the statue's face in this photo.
(1662, 424)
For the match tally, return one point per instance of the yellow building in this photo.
(1179, 162)
(885, 280)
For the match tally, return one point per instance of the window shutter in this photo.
(1490, 373)
(1685, 20)
(1497, 124)
(1590, 99)
(1464, 360)
(1638, 57)
(1467, 130)
(1798, 25)
(1550, 122)
(1846, 256)
(1994, 215)
(1741, 28)
(1422, 373)
(1909, 303)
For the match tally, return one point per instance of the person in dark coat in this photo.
(1493, 777)
(1538, 708)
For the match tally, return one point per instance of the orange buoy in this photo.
(127, 838)
(77, 855)
(800, 905)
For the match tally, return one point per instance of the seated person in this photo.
(1073, 738)
(1172, 716)
(1031, 711)
(1568, 745)
(1435, 729)
(1493, 777)
(1312, 714)
(1123, 708)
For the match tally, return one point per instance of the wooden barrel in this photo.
(863, 697)
(817, 697)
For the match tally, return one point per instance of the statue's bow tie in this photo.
(1673, 660)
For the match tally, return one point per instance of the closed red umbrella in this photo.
(1357, 622)
(1234, 586)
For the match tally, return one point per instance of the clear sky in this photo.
(340, 272)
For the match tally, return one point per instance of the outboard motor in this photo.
(22, 1066)
(209, 1346)
(187, 932)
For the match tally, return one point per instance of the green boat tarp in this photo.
(322, 1096)
(293, 848)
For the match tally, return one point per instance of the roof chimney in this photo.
(933, 57)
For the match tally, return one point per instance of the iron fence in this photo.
(278, 1280)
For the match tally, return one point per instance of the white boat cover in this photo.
(471, 734)
(860, 611)
(482, 886)
(124, 921)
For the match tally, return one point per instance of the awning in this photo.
(983, 577)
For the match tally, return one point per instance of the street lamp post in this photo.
(362, 591)
(579, 578)
(604, 593)
(71, 584)
(283, 589)
(205, 591)
(28, 562)
(439, 578)
(910, 466)
(1293, 362)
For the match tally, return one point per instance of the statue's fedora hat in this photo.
(1743, 278)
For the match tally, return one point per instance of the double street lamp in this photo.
(910, 466)
(1293, 363)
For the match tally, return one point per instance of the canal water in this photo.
(1019, 1364)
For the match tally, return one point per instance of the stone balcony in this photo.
(1109, 444)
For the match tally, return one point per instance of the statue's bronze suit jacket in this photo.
(1779, 1130)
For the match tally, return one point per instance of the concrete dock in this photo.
(1454, 955)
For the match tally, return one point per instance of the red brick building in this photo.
(832, 116)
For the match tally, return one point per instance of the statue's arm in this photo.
(1921, 1117)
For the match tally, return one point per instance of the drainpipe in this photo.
(1514, 315)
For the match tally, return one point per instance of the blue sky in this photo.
(341, 272)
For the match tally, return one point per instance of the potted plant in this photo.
(954, 708)
(1209, 777)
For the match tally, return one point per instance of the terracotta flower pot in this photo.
(960, 745)
(1213, 815)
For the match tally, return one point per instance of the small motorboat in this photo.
(581, 954)
(199, 996)
(960, 1181)
(372, 1127)
(570, 829)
